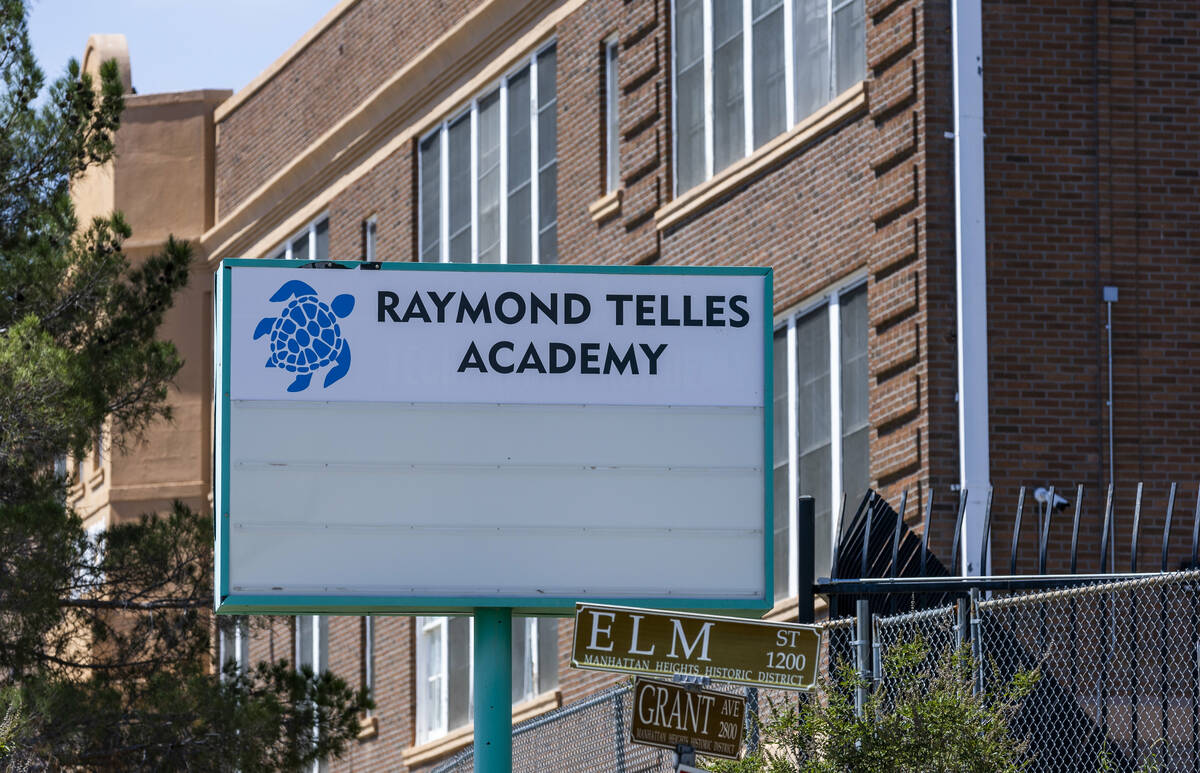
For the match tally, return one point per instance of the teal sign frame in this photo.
(227, 602)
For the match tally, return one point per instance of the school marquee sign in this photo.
(440, 437)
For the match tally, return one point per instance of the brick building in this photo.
(812, 136)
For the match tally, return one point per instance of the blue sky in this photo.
(176, 45)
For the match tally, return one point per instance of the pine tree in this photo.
(104, 642)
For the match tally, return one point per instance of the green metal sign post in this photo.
(493, 690)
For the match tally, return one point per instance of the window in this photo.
(488, 176)
(821, 423)
(311, 639)
(312, 642)
(612, 175)
(444, 668)
(745, 70)
(368, 239)
(368, 655)
(234, 642)
(89, 574)
(311, 243)
(443, 675)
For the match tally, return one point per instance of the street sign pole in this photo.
(493, 690)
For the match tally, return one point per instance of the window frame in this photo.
(791, 117)
(233, 643)
(370, 231)
(426, 730)
(612, 116)
(531, 673)
(368, 657)
(529, 64)
(831, 300)
(285, 251)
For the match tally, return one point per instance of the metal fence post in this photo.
(619, 729)
(862, 653)
(805, 565)
(806, 576)
(977, 640)
(876, 654)
(961, 617)
(751, 720)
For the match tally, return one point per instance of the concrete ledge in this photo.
(368, 727)
(785, 610)
(465, 60)
(845, 108)
(460, 738)
(606, 206)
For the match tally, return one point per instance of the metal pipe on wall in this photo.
(971, 264)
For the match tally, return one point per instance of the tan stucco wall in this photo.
(162, 180)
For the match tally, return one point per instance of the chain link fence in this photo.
(1118, 662)
(1120, 672)
(1119, 685)
(592, 735)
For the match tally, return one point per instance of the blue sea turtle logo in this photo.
(306, 336)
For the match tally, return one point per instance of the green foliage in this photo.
(270, 718)
(925, 718)
(104, 643)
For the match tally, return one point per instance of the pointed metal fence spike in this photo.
(837, 540)
(866, 545)
(1016, 538)
(984, 553)
(925, 532)
(1104, 533)
(1167, 526)
(1075, 528)
(1137, 522)
(1044, 538)
(958, 521)
(896, 533)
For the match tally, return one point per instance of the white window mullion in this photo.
(793, 429)
(535, 668)
(471, 670)
(829, 94)
(243, 630)
(504, 170)
(611, 114)
(474, 181)
(444, 185)
(674, 109)
(444, 675)
(789, 62)
(747, 78)
(316, 647)
(835, 408)
(709, 132)
(534, 214)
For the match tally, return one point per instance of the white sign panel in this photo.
(439, 437)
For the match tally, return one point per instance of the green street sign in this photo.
(667, 715)
(659, 643)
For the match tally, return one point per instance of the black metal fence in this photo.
(1118, 655)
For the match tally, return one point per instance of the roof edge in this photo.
(250, 89)
(176, 97)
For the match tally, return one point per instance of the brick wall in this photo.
(314, 90)
(1092, 171)
(273, 639)
(1091, 180)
